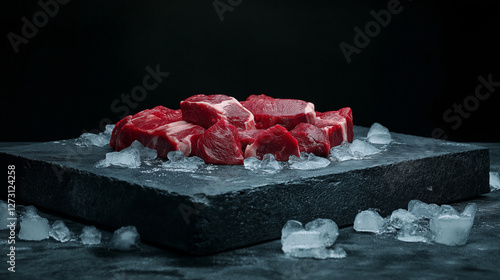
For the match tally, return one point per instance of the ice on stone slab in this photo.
(369, 221)
(416, 231)
(100, 140)
(4, 214)
(494, 181)
(342, 152)
(268, 164)
(362, 149)
(379, 134)
(60, 232)
(311, 241)
(90, 235)
(400, 217)
(125, 239)
(423, 210)
(32, 226)
(307, 161)
(450, 228)
(178, 162)
(129, 157)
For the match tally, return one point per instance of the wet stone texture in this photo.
(215, 208)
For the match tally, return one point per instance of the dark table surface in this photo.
(369, 256)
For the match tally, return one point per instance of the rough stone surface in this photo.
(225, 207)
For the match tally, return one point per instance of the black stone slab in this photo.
(224, 207)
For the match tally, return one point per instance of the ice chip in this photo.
(447, 210)
(377, 128)
(125, 239)
(400, 217)
(362, 149)
(469, 211)
(416, 231)
(312, 241)
(342, 152)
(494, 181)
(60, 232)
(380, 139)
(144, 152)
(100, 140)
(32, 226)
(4, 214)
(450, 229)
(423, 210)
(90, 235)
(268, 164)
(178, 162)
(307, 161)
(109, 130)
(328, 230)
(369, 221)
(128, 158)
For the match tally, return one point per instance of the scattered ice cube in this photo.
(90, 235)
(125, 239)
(268, 164)
(307, 161)
(33, 227)
(312, 241)
(400, 217)
(129, 157)
(494, 181)
(450, 228)
(100, 140)
(4, 214)
(60, 232)
(178, 162)
(423, 210)
(379, 134)
(369, 221)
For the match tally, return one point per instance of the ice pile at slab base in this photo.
(312, 241)
(99, 140)
(60, 232)
(4, 214)
(422, 222)
(268, 164)
(90, 235)
(358, 149)
(307, 161)
(178, 162)
(125, 239)
(129, 157)
(379, 134)
(494, 181)
(33, 227)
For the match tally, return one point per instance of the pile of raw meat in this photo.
(221, 130)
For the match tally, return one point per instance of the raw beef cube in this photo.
(288, 113)
(337, 125)
(206, 110)
(127, 129)
(276, 141)
(247, 137)
(311, 139)
(177, 136)
(220, 144)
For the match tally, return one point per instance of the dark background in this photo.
(64, 80)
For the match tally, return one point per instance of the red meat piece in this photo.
(275, 140)
(220, 144)
(247, 137)
(159, 129)
(206, 110)
(311, 139)
(337, 125)
(288, 113)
